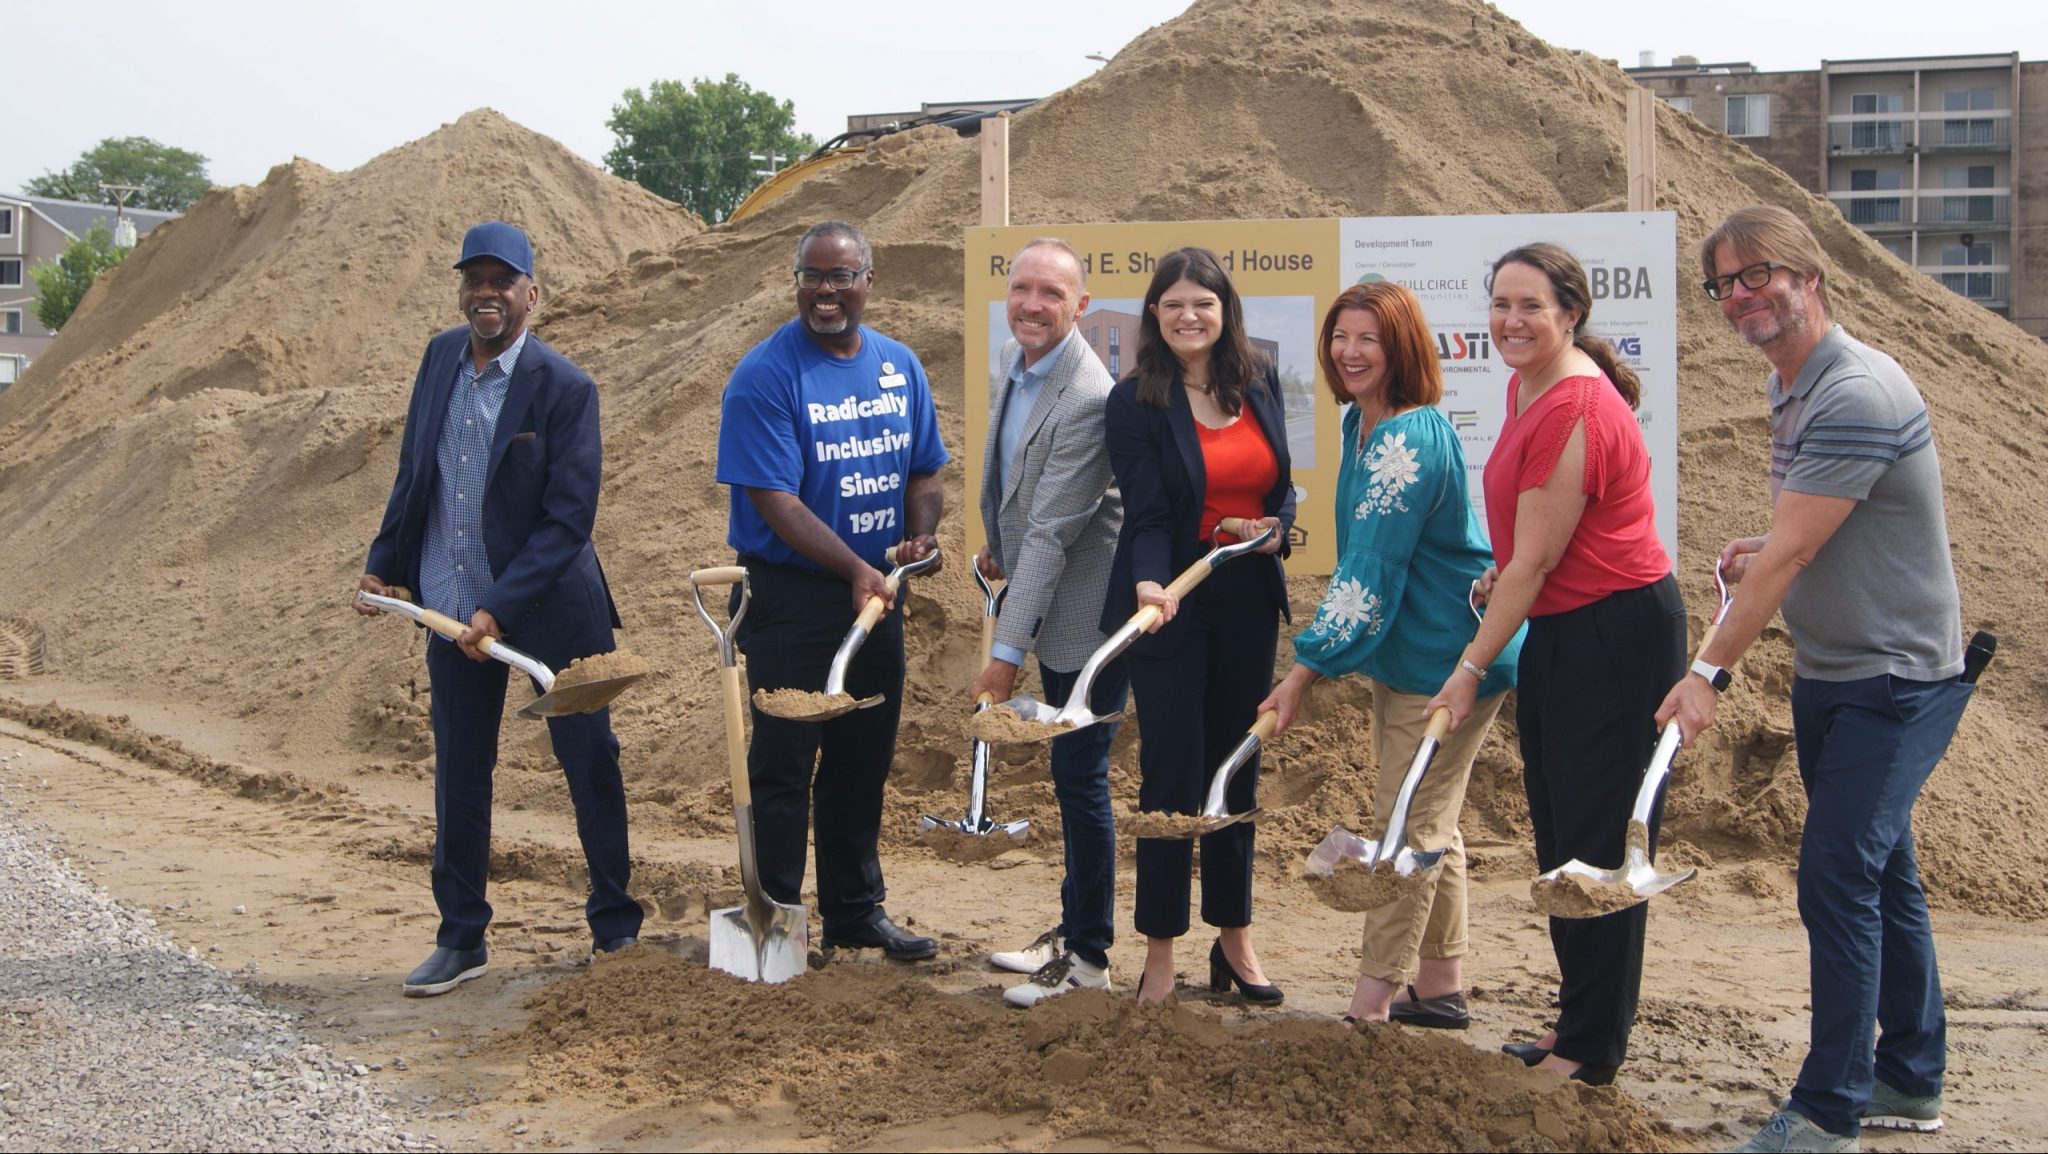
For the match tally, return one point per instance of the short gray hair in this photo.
(1080, 266)
(840, 229)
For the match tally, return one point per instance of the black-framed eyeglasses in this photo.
(1753, 277)
(838, 278)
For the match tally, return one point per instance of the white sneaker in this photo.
(1056, 977)
(1032, 958)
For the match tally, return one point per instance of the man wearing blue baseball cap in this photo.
(490, 520)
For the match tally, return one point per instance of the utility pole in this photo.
(124, 229)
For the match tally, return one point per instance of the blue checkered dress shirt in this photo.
(455, 574)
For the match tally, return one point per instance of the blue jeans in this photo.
(1865, 748)
(1080, 780)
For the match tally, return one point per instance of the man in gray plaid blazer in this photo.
(1051, 515)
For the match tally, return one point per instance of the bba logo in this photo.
(1464, 346)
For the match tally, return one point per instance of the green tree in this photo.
(62, 283)
(171, 178)
(693, 144)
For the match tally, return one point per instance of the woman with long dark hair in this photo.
(1197, 434)
(1408, 549)
(1568, 506)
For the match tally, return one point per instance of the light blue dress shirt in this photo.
(455, 572)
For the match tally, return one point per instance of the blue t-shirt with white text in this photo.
(845, 436)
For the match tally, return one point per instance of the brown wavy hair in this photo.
(1414, 375)
(1567, 279)
(1233, 363)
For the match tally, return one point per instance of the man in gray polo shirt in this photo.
(1858, 559)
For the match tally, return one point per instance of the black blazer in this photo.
(540, 493)
(1156, 456)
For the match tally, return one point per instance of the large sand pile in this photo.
(198, 463)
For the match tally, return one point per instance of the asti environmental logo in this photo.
(1459, 345)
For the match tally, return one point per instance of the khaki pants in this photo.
(1428, 922)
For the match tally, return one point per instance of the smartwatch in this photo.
(1715, 675)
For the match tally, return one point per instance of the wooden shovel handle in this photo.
(1439, 725)
(450, 628)
(719, 575)
(1268, 722)
(735, 736)
(988, 638)
(1706, 639)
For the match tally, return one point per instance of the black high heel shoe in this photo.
(1529, 1052)
(1593, 1075)
(1222, 975)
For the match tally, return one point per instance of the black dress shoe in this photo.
(1529, 1052)
(884, 935)
(444, 970)
(1223, 975)
(1593, 1075)
(1443, 1012)
(614, 945)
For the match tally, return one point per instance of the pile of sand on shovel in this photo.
(1001, 725)
(1573, 895)
(800, 703)
(1355, 889)
(618, 665)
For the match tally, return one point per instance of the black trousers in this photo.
(1198, 682)
(468, 703)
(796, 622)
(1590, 683)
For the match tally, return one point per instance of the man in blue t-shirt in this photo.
(830, 443)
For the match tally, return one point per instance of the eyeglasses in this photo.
(1753, 277)
(838, 278)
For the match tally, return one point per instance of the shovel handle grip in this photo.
(735, 735)
(450, 628)
(719, 575)
(984, 701)
(1439, 725)
(1707, 639)
(1268, 722)
(869, 614)
(1242, 528)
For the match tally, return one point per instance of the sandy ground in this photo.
(325, 860)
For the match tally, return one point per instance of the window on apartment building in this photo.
(1967, 132)
(1874, 209)
(1876, 134)
(10, 322)
(1748, 115)
(6, 220)
(1967, 208)
(1681, 103)
(10, 273)
(1977, 286)
(1899, 247)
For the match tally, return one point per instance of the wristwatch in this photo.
(1715, 675)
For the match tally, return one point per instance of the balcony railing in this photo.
(1893, 209)
(1978, 130)
(1989, 285)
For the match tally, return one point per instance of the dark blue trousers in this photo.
(468, 703)
(1865, 749)
(1199, 681)
(1080, 780)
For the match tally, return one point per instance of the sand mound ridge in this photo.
(862, 1049)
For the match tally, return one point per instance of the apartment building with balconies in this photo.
(1942, 159)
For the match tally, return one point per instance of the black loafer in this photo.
(1529, 1053)
(444, 970)
(1443, 1012)
(884, 935)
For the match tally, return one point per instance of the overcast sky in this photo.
(250, 85)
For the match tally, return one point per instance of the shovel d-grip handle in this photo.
(719, 575)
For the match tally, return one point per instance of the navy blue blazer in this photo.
(540, 491)
(1156, 456)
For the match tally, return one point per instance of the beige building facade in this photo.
(1943, 160)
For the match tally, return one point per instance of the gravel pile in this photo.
(112, 1038)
